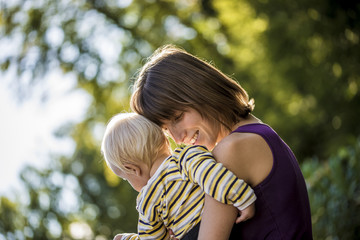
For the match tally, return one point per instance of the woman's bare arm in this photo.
(209, 227)
(249, 158)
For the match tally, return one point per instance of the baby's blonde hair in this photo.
(132, 138)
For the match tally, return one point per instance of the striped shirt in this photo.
(174, 196)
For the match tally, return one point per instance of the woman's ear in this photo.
(133, 169)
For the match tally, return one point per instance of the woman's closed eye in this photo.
(178, 117)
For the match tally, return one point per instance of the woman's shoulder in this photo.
(246, 154)
(240, 141)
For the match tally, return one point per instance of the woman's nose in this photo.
(175, 134)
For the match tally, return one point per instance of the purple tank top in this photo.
(282, 205)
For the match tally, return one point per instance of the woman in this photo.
(197, 104)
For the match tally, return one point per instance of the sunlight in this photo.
(80, 230)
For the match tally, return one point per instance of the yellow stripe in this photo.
(209, 177)
(195, 212)
(218, 192)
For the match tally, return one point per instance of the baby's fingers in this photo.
(118, 237)
(241, 218)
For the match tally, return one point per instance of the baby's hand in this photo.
(118, 237)
(246, 214)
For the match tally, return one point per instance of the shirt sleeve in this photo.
(198, 165)
(130, 236)
(150, 203)
(152, 229)
(147, 230)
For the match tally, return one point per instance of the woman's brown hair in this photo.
(173, 80)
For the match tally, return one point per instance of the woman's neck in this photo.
(244, 121)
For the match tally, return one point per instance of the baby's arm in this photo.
(126, 236)
(200, 167)
(147, 230)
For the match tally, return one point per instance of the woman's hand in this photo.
(246, 214)
(172, 235)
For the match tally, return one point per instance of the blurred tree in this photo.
(11, 219)
(299, 60)
(314, 49)
(334, 194)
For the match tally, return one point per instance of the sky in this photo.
(27, 127)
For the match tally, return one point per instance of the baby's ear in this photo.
(133, 169)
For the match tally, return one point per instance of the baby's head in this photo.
(131, 139)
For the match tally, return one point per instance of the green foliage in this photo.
(12, 222)
(334, 194)
(298, 60)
